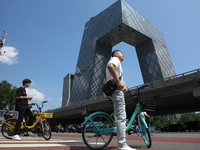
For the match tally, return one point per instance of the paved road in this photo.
(73, 141)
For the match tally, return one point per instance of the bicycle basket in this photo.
(7, 116)
(149, 106)
(47, 115)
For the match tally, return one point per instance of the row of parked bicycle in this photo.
(79, 128)
(188, 126)
(68, 128)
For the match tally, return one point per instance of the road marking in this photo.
(57, 141)
(35, 143)
(30, 145)
(97, 143)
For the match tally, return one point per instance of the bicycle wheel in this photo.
(46, 130)
(138, 132)
(93, 137)
(152, 130)
(7, 130)
(145, 132)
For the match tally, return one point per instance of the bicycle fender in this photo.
(96, 113)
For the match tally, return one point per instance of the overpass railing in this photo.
(170, 78)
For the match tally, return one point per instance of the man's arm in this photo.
(125, 89)
(24, 97)
(147, 115)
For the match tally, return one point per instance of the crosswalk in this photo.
(36, 142)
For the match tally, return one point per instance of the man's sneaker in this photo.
(16, 138)
(125, 147)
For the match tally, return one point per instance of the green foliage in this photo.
(197, 117)
(159, 121)
(191, 116)
(162, 121)
(7, 95)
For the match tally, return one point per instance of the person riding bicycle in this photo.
(22, 107)
(114, 71)
(144, 114)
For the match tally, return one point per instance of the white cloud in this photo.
(38, 96)
(10, 57)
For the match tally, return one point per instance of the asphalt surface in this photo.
(73, 141)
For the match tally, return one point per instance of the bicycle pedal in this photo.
(114, 134)
(26, 134)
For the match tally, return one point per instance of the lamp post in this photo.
(2, 41)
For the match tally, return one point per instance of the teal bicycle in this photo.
(99, 127)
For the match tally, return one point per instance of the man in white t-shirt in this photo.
(144, 114)
(114, 71)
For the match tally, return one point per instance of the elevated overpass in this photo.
(176, 94)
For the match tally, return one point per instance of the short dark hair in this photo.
(26, 81)
(115, 52)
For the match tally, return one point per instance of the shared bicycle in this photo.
(136, 129)
(40, 126)
(99, 127)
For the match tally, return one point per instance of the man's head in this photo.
(26, 82)
(118, 53)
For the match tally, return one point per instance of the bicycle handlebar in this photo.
(138, 91)
(38, 105)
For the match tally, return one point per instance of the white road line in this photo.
(30, 145)
(97, 143)
(11, 141)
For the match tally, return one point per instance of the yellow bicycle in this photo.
(41, 126)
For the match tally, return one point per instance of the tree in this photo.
(163, 121)
(7, 95)
(159, 121)
(197, 117)
(191, 116)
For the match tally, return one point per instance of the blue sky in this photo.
(44, 38)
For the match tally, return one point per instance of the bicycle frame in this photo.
(11, 126)
(113, 130)
(22, 126)
(41, 116)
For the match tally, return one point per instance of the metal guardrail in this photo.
(169, 78)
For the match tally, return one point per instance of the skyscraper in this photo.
(117, 23)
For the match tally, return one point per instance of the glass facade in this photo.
(67, 84)
(117, 23)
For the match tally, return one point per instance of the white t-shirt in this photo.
(118, 67)
(143, 114)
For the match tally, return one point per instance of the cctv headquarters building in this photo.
(117, 23)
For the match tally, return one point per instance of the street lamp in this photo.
(2, 41)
